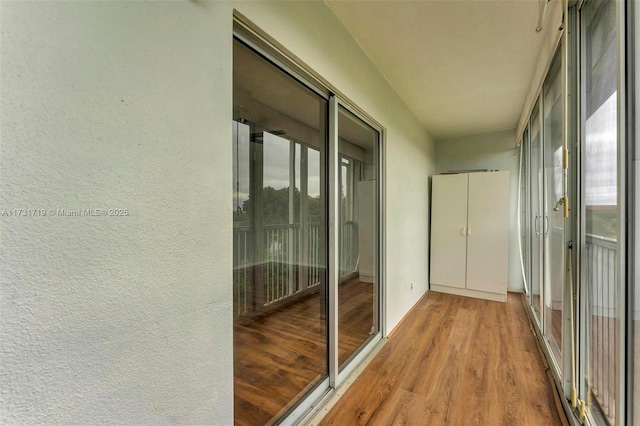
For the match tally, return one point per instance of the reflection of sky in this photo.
(601, 155)
(240, 164)
(557, 173)
(275, 152)
(275, 166)
(313, 159)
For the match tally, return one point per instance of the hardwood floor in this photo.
(454, 361)
(355, 316)
(279, 356)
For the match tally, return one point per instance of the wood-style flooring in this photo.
(454, 361)
(279, 356)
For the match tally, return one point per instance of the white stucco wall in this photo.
(121, 320)
(311, 32)
(493, 151)
(128, 105)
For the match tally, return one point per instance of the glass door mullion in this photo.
(535, 205)
(334, 239)
(553, 188)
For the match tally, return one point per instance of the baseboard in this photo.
(496, 297)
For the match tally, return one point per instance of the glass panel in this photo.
(358, 283)
(554, 243)
(524, 211)
(537, 220)
(635, 347)
(348, 253)
(600, 168)
(279, 229)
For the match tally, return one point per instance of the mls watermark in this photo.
(110, 212)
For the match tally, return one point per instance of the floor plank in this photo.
(281, 355)
(454, 361)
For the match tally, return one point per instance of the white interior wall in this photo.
(493, 151)
(123, 320)
(311, 32)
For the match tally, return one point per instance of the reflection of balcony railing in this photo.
(348, 248)
(288, 261)
(601, 258)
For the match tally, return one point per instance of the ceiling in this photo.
(462, 67)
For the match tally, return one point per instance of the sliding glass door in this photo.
(545, 222)
(601, 226)
(589, 325)
(537, 217)
(279, 232)
(546, 216)
(524, 203)
(306, 299)
(358, 234)
(554, 220)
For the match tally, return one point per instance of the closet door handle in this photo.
(546, 226)
(463, 231)
(469, 231)
(536, 225)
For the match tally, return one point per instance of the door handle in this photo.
(469, 230)
(546, 226)
(463, 231)
(536, 225)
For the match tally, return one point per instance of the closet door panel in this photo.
(448, 225)
(488, 235)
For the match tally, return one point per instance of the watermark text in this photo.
(41, 212)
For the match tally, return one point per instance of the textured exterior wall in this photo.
(117, 319)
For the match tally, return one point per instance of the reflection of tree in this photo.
(275, 208)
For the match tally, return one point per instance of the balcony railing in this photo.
(601, 259)
(280, 261)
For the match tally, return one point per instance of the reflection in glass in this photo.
(635, 345)
(279, 239)
(358, 283)
(537, 218)
(525, 234)
(600, 173)
(553, 228)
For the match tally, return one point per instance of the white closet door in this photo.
(448, 225)
(488, 232)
